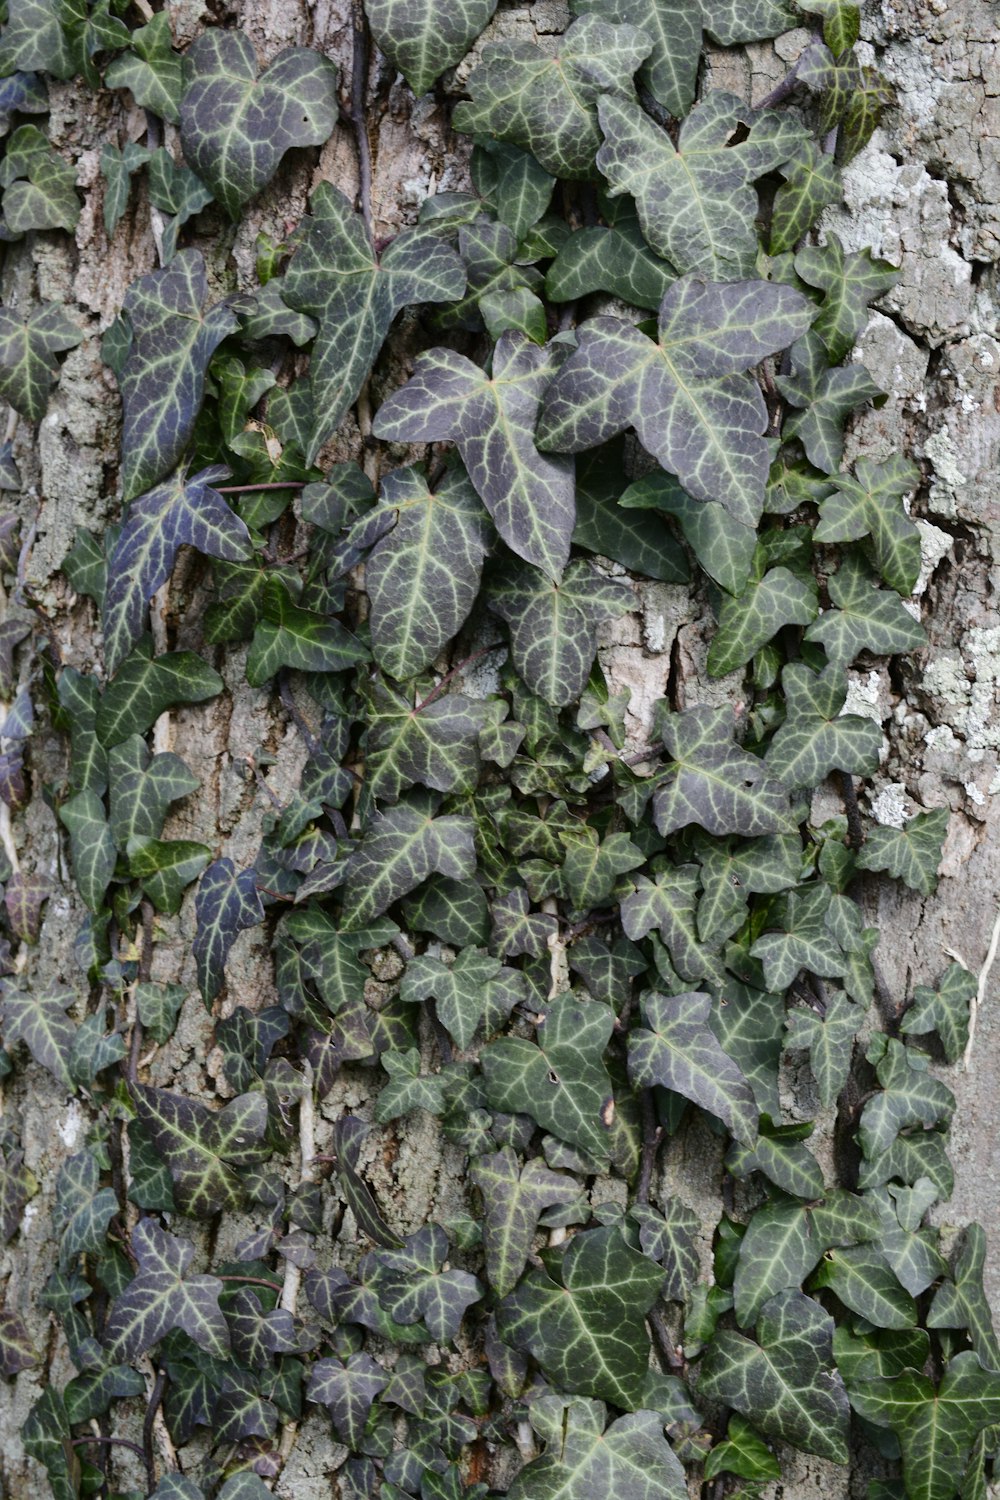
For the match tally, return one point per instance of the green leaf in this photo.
(46, 1438)
(866, 618)
(861, 1277)
(157, 1006)
(640, 543)
(434, 746)
(423, 40)
(686, 394)
(748, 622)
(39, 186)
(515, 1197)
(17, 1186)
(492, 421)
(817, 737)
(782, 1156)
(553, 625)
(944, 1010)
(142, 788)
(723, 546)
(152, 70)
(163, 378)
(800, 936)
(696, 201)
(39, 1020)
(912, 853)
(118, 169)
(418, 1285)
(586, 1328)
(870, 504)
(674, 28)
(670, 1239)
(812, 183)
(83, 1208)
(226, 904)
(714, 783)
(174, 189)
(825, 398)
(667, 904)
(743, 1453)
(584, 1460)
(144, 686)
(829, 1040)
(785, 1240)
(179, 512)
(336, 277)
(849, 283)
(609, 258)
(936, 1428)
(546, 104)
(908, 1096)
(91, 844)
(236, 127)
(592, 865)
(287, 636)
(422, 576)
(680, 1052)
(961, 1301)
(786, 1383)
(559, 1079)
(37, 38)
(201, 1147)
(17, 1352)
(162, 1296)
(166, 868)
(27, 344)
(473, 986)
(348, 1391)
(400, 849)
(455, 911)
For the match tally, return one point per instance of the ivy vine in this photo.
(633, 348)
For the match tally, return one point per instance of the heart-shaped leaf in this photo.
(348, 1390)
(785, 1240)
(423, 40)
(400, 849)
(713, 782)
(201, 1146)
(584, 1460)
(944, 1010)
(236, 127)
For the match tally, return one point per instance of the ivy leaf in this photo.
(179, 512)
(829, 1040)
(670, 1239)
(866, 618)
(27, 344)
(21, 93)
(723, 546)
(226, 904)
(559, 1079)
(825, 398)
(39, 186)
(17, 1186)
(861, 1277)
(817, 737)
(434, 745)
(912, 853)
(743, 1453)
(961, 1301)
(786, 1383)
(151, 69)
(454, 911)
(944, 1010)
(473, 986)
(782, 1156)
(610, 258)
(175, 190)
(492, 421)
(423, 41)
(908, 1096)
(336, 277)
(39, 1020)
(163, 377)
(118, 169)
(680, 1052)
(92, 846)
(515, 1198)
(714, 783)
(236, 127)
(414, 1286)
(422, 576)
(640, 543)
(553, 625)
(785, 1240)
(288, 636)
(747, 623)
(23, 899)
(801, 938)
(667, 904)
(83, 1208)
(674, 28)
(545, 104)
(696, 201)
(870, 504)
(936, 1428)
(157, 1006)
(144, 686)
(201, 1146)
(592, 865)
(161, 1296)
(812, 183)
(348, 1391)
(586, 1328)
(686, 395)
(400, 849)
(583, 1460)
(17, 1352)
(849, 283)
(142, 788)
(166, 868)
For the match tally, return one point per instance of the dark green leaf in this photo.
(39, 186)
(961, 1301)
(152, 69)
(908, 1096)
(748, 622)
(870, 504)
(679, 1052)
(348, 1391)
(829, 1039)
(161, 1296)
(584, 1460)
(514, 1199)
(27, 344)
(849, 283)
(400, 849)
(714, 783)
(817, 737)
(423, 40)
(944, 1010)
(812, 183)
(912, 853)
(144, 686)
(39, 1020)
(202, 1146)
(226, 904)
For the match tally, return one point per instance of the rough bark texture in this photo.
(925, 193)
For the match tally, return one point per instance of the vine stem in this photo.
(439, 687)
(293, 1273)
(359, 88)
(274, 1286)
(980, 995)
(855, 829)
(251, 489)
(652, 1136)
(149, 1423)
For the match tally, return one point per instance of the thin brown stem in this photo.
(359, 90)
(672, 1358)
(251, 489)
(274, 1286)
(107, 1442)
(652, 1136)
(855, 828)
(148, 1424)
(437, 690)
